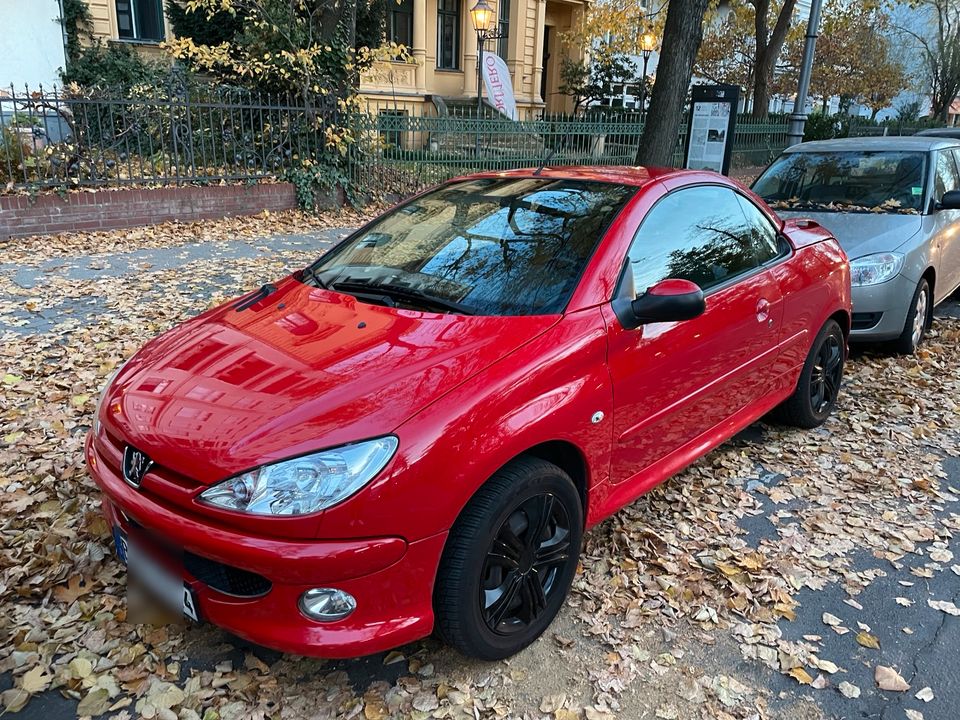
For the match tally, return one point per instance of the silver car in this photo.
(894, 205)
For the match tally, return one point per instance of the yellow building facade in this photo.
(441, 38)
(444, 47)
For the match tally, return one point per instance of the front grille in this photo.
(865, 321)
(159, 472)
(226, 579)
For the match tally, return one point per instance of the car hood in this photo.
(302, 370)
(861, 234)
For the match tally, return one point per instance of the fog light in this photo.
(327, 604)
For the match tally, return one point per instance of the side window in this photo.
(698, 234)
(946, 177)
(762, 233)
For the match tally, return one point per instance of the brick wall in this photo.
(110, 209)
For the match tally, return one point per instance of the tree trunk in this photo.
(761, 87)
(768, 47)
(682, 35)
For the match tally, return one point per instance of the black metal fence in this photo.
(162, 136)
(405, 148)
(180, 133)
(889, 129)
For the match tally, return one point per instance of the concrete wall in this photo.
(31, 42)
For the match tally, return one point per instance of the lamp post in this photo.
(648, 43)
(484, 19)
(798, 119)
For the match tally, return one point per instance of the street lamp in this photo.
(484, 19)
(648, 43)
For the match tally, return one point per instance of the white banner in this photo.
(496, 79)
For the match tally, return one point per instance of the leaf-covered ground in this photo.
(787, 574)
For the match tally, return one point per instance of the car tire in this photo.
(819, 385)
(918, 320)
(500, 583)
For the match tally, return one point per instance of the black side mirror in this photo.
(949, 201)
(667, 301)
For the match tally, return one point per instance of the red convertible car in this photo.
(414, 432)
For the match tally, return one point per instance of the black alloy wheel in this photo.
(509, 560)
(818, 386)
(827, 374)
(522, 564)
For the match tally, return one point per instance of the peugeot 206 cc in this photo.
(413, 433)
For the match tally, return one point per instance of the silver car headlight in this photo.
(304, 484)
(875, 269)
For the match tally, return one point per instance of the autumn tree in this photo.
(727, 53)
(882, 82)
(933, 28)
(592, 81)
(855, 58)
(682, 35)
(306, 47)
(617, 25)
(771, 23)
(201, 27)
(743, 44)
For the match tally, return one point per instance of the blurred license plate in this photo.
(169, 589)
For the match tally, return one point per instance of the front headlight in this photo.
(875, 269)
(305, 484)
(103, 394)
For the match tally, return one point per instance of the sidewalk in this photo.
(681, 609)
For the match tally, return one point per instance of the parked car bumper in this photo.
(391, 580)
(880, 311)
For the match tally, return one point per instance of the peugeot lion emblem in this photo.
(135, 466)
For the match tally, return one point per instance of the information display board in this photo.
(711, 126)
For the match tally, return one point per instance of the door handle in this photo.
(763, 310)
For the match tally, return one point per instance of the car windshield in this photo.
(850, 181)
(514, 246)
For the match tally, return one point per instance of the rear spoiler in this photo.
(804, 231)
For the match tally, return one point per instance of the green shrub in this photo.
(821, 126)
(201, 28)
(76, 21)
(114, 65)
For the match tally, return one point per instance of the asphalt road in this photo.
(926, 656)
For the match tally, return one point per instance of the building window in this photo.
(140, 20)
(400, 29)
(448, 34)
(503, 28)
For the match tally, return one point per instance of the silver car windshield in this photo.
(851, 181)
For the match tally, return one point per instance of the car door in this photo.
(673, 382)
(947, 223)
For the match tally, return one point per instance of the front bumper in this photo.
(392, 580)
(890, 301)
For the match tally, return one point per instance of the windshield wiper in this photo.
(403, 293)
(310, 273)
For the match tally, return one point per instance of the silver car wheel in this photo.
(920, 317)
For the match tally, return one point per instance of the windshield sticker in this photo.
(916, 190)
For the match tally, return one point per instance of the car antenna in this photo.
(553, 151)
(544, 160)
